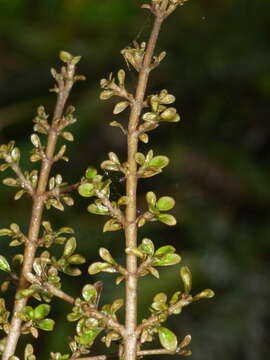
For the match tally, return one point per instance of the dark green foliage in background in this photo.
(219, 70)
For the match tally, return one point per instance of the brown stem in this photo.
(115, 212)
(139, 353)
(37, 211)
(130, 347)
(25, 183)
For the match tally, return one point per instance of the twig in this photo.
(154, 319)
(131, 192)
(139, 353)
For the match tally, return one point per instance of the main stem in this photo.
(35, 222)
(130, 343)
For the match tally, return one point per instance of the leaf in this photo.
(28, 352)
(159, 161)
(161, 298)
(147, 246)
(46, 324)
(186, 277)
(86, 190)
(4, 265)
(106, 256)
(68, 135)
(165, 203)
(167, 249)
(10, 182)
(135, 252)
(121, 76)
(65, 56)
(106, 94)
(185, 342)
(205, 294)
(121, 106)
(144, 138)
(70, 247)
(90, 173)
(89, 293)
(41, 311)
(76, 259)
(112, 225)
(140, 158)
(116, 305)
(168, 259)
(151, 199)
(97, 267)
(167, 219)
(98, 209)
(6, 232)
(167, 339)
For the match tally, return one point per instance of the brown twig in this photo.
(139, 353)
(155, 319)
(130, 349)
(65, 86)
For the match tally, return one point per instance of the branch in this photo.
(90, 311)
(155, 319)
(131, 191)
(139, 353)
(65, 86)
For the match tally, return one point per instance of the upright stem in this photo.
(130, 348)
(35, 220)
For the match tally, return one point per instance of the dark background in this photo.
(218, 66)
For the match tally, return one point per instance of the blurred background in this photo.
(218, 66)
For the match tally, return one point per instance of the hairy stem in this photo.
(36, 215)
(130, 349)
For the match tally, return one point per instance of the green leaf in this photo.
(159, 161)
(68, 135)
(70, 247)
(112, 225)
(100, 266)
(90, 173)
(167, 339)
(86, 190)
(46, 324)
(167, 219)
(167, 249)
(186, 277)
(41, 311)
(88, 336)
(4, 265)
(106, 256)
(116, 305)
(151, 199)
(65, 56)
(168, 259)
(147, 246)
(205, 294)
(98, 209)
(140, 158)
(161, 298)
(135, 252)
(165, 203)
(89, 293)
(76, 259)
(6, 232)
(29, 352)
